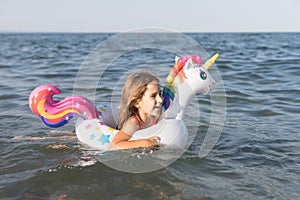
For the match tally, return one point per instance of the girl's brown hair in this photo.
(133, 90)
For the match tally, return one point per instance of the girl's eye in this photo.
(203, 75)
(153, 95)
(157, 94)
(160, 93)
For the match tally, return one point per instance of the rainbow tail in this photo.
(58, 113)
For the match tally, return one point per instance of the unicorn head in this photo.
(187, 78)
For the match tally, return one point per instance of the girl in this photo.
(140, 108)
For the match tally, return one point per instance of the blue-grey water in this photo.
(256, 157)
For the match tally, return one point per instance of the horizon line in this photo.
(115, 32)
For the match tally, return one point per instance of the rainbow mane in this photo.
(169, 91)
(58, 113)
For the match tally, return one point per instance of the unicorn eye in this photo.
(203, 75)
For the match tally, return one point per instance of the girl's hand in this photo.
(154, 140)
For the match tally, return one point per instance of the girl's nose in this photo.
(159, 99)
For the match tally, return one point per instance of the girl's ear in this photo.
(137, 104)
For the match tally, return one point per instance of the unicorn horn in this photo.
(209, 63)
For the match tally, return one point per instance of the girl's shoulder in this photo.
(132, 120)
(131, 125)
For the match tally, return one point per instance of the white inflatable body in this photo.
(191, 79)
(97, 133)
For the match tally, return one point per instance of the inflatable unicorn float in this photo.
(95, 126)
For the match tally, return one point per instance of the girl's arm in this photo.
(121, 141)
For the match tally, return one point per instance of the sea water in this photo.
(257, 155)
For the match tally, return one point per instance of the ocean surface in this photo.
(256, 156)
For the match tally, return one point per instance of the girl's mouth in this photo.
(157, 107)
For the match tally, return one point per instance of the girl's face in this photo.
(150, 103)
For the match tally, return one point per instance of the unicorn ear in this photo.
(189, 64)
(176, 59)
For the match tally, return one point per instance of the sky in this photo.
(126, 15)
